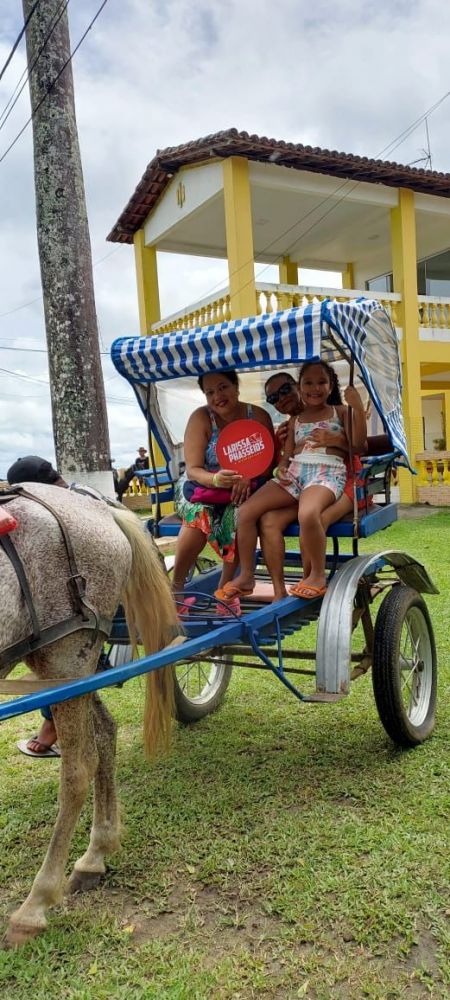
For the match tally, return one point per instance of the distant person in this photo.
(139, 465)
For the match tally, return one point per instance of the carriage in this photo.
(373, 601)
(84, 555)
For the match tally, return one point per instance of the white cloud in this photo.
(154, 73)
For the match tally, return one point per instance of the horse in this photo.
(120, 563)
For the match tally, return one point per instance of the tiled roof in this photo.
(254, 147)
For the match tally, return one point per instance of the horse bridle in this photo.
(85, 617)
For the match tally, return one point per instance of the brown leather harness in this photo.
(84, 617)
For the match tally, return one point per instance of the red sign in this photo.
(245, 446)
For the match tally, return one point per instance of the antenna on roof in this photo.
(426, 158)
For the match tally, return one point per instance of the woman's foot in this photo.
(239, 587)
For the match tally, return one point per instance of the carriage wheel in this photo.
(200, 685)
(404, 670)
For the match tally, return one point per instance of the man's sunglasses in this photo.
(284, 390)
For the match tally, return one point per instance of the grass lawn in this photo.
(282, 851)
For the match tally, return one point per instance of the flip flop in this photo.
(185, 607)
(232, 608)
(230, 591)
(307, 591)
(53, 751)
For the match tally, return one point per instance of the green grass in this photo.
(282, 850)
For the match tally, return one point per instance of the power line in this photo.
(52, 84)
(29, 69)
(18, 39)
(31, 302)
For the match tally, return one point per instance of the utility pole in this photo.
(80, 424)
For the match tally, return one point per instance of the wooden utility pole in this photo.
(80, 424)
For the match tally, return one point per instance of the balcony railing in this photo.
(433, 485)
(269, 298)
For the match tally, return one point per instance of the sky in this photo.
(339, 74)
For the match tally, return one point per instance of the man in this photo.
(139, 465)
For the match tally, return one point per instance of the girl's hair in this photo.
(230, 375)
(335, 398)
(285, 375)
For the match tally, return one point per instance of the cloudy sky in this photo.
(339, 74)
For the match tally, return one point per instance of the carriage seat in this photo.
(375, 477)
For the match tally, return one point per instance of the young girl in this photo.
(312, 470)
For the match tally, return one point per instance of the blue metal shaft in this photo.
(235, 630)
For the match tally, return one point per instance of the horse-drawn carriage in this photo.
(398, 644)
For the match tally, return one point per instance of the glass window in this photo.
(383, 283)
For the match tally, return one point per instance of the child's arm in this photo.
(359, 423)
(289, 447)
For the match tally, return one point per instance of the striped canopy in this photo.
(359, 329)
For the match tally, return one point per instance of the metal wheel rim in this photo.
(200, 681)
(416, 666)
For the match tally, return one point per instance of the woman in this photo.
(206, 522)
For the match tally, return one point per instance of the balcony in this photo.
(269, 298)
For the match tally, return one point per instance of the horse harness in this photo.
(84, 617)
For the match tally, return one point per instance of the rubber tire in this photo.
(386, 674)
(187, 710)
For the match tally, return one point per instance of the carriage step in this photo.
(323, 697)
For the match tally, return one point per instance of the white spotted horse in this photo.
(77, 558)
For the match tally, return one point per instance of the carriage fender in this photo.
(334, 633)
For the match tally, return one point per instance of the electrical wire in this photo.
(29, 69)
(18, 39)
(52, 84)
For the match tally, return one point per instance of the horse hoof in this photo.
(19, 934)
(83, 881)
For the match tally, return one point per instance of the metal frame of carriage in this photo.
(398, 645)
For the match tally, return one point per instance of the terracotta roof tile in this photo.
(219, 145)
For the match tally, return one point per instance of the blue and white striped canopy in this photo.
(360, 329)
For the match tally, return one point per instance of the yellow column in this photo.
(404, 263)
(288, 272)
(149, 313)
(239, 234)
(347, 277)
(447, 419)
(147, 282)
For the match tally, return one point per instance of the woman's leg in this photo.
(271, 496)
(271, 527)
(190, 543)
(313, 502)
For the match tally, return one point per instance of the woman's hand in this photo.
(226, 479)
(282, 475)
(320, 438)
(281, 434)
(240, 491)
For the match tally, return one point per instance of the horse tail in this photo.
(151, 614)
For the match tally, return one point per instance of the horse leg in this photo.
(79, 760)
(105, 832)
